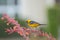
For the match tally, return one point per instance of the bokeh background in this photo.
(41, 11)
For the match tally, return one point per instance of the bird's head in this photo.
(28, 20)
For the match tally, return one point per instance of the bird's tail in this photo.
(42, 24)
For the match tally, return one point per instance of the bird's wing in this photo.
(32, 22)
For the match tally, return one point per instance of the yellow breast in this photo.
(33, 25)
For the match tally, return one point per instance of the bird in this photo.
(33, 24)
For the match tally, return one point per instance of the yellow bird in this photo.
(33, 24)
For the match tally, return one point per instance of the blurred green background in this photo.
(53, 18)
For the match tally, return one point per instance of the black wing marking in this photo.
(32, 22)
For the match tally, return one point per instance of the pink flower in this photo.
(5, 16)
(2, 18)
(9, 31)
